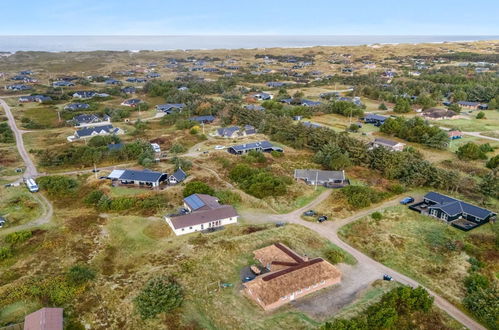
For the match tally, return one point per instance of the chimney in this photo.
(305, 258)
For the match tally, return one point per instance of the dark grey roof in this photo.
(145, 176)
(88, 131)
(386, 142)
(201, 119)
(179, 175)
(262, 145)
(374, 116)
(228, 131)
(319, 175)
(170, 106)
(201, 202)
(115, 146)
(452, 206)
(254, 107)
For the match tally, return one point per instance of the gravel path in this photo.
(358, 277)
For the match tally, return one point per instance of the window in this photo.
(444, 216)
(323, 282)
(284, 298)
(202, 226)
(464, 215)
(299, 291)
(190, 227)
(433, 212)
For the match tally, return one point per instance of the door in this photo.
(292, 296)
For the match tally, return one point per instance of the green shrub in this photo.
(5, 252)
(18, 237)
(177, 148)
(58, 185)
(258, 182)
(197, 187)
(335, 256)
(228, 197)
(93, 197)
(80, 274)
(159, 295)
(480, 115)
(377, 215)
(362, 196)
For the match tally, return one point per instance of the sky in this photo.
(240, 17)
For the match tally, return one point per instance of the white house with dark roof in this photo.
(204, 213)
(89, 132)
(177, 177)
(330, 179)
(85, 120)
(145, 178)
(388, 144)
(263, 146)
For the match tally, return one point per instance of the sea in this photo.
(13, 44)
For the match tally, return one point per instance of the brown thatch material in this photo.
(277, 256)
(300, 276)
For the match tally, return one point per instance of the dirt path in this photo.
(30, 166)
(358, 277)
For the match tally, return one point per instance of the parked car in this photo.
(280, 224)
(309, 213)
(387, 277)
(407, 200)
(219, 147)
(322, 218)
(248, 278)
(95, 170)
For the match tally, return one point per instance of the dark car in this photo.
(280, 224)
(322, 218)
(248, 278)
(95, 170)
(407, 200)
(309, 213)
(387, 277)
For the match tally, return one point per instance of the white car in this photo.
(219, 147)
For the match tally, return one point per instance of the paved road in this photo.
(475, 134)
(358, 277)
(30, 166)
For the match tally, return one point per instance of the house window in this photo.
(299, 291)
(202, 226)
(323, 282)
(464, 215)
(433, 212)
(183, 229)
(444, 216)
(190, 227)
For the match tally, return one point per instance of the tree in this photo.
(58, 185)
(161, 294)
(402, 105)
(197, 187)
(454, 107)
(332, 157)
(470, 151)
(490, 185)
(382, 106)
(493, 163)
(80, 274)
(354, 128)
(480, 115)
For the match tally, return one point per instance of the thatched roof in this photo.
(292, 274)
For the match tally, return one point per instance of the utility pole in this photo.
(95, 171)
(316, 179)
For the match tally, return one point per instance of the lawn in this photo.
(18, 205)
(490, 123)
(431, 252)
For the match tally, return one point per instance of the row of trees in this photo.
(416, 130)
(96, 152)
(408, 166)
(6, 135)
(400, 308)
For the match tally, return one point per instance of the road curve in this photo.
(367, 267)
(30, 166)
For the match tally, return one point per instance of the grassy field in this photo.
(18, 205)
(489, 124)
(421, 247)
(128, 250)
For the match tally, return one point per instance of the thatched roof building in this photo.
(291, 276)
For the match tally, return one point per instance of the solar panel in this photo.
(194, 202)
